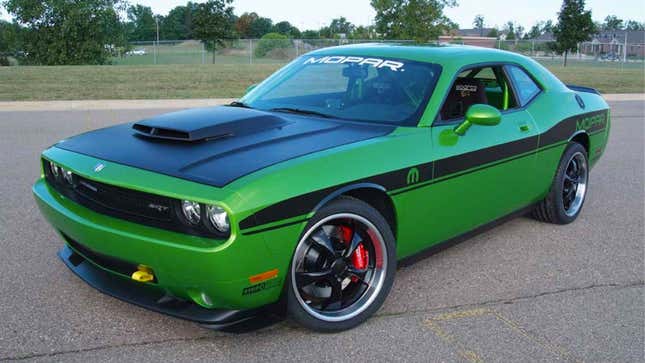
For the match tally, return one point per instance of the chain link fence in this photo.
(280, 51)
(239, 51)
(588, 51)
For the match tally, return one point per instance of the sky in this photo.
(315, 14)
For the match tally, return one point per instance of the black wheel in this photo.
(343, 267)
(569, 188)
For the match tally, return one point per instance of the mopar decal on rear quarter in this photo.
(304, 195)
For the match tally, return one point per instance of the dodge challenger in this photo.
(302, 197)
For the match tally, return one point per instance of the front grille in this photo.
(123, 201)
(127, 204)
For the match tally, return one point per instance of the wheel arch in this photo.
(373, 194)
(582, 138)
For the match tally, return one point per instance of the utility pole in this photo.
(625, 49)
(157, 43)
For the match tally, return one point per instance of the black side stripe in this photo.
(453, 166)
(457, 163)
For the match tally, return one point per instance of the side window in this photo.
(525, 86)
(479, 85)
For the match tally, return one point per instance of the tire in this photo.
(323, 264)
(558, 207)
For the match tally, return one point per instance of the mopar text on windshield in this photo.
(374, 62)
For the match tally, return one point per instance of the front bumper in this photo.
(151, 297)
(214, 278)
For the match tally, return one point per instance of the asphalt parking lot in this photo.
(525, 291)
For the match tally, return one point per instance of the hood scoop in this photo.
(208, 124)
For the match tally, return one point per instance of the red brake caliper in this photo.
(359, 257)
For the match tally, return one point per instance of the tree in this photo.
(363, 32)
(310, 34)
(535, 31)
(178, 23)
(634, 25)
(612, 22)
(574, 26)
(10, 37)
(251, 25)
(478, 23)
(10, 41)
(509, 30)
(285, 28)
(213, 21)
(68, 32)
(336, 27)
(260, 27)
(493, 33)
(547, 27)
(243, 24)
(519, 31)
(341, 26)
(142, 23)
(420, 20)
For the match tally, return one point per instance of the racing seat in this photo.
(464, 93)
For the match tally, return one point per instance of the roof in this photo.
(443, 54)
(607, 36)
(452, 58)
(633, 36)
(474, 32)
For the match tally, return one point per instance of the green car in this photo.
(304, 196)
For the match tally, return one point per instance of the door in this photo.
(484, 174)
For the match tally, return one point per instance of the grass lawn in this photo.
(129, 82)
(227, 80)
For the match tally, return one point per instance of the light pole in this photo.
(157, 43)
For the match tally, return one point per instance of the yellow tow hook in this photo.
(143, 274)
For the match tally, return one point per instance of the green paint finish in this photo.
(441, 184)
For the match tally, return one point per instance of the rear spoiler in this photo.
(583, 89)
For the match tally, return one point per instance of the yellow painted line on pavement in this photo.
(470, 354)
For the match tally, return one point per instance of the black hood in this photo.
(218, 145)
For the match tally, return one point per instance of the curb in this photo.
(98, 105)
(617, 97)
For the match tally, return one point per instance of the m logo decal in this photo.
(413, 176)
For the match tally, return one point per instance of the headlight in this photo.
(67, 175)
(54, 169)
(218, 218)
(191, 211)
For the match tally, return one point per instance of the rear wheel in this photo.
(569, 188)
(343, 267)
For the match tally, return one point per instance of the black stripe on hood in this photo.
(246, 141)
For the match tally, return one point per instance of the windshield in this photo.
(364, 89)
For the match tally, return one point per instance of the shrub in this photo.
(271, 42)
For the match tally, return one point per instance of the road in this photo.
(525, 291)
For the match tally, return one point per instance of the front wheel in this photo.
(569, 188)
(343, 267)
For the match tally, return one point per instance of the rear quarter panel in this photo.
(559, 119)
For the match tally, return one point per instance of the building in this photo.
(611, 42)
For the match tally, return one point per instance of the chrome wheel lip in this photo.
(368, 296)
(581, 184)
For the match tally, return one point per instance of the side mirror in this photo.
(479, 114)
(250, 88)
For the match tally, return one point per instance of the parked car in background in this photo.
(140, 51)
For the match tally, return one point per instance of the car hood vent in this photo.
(207, 124)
